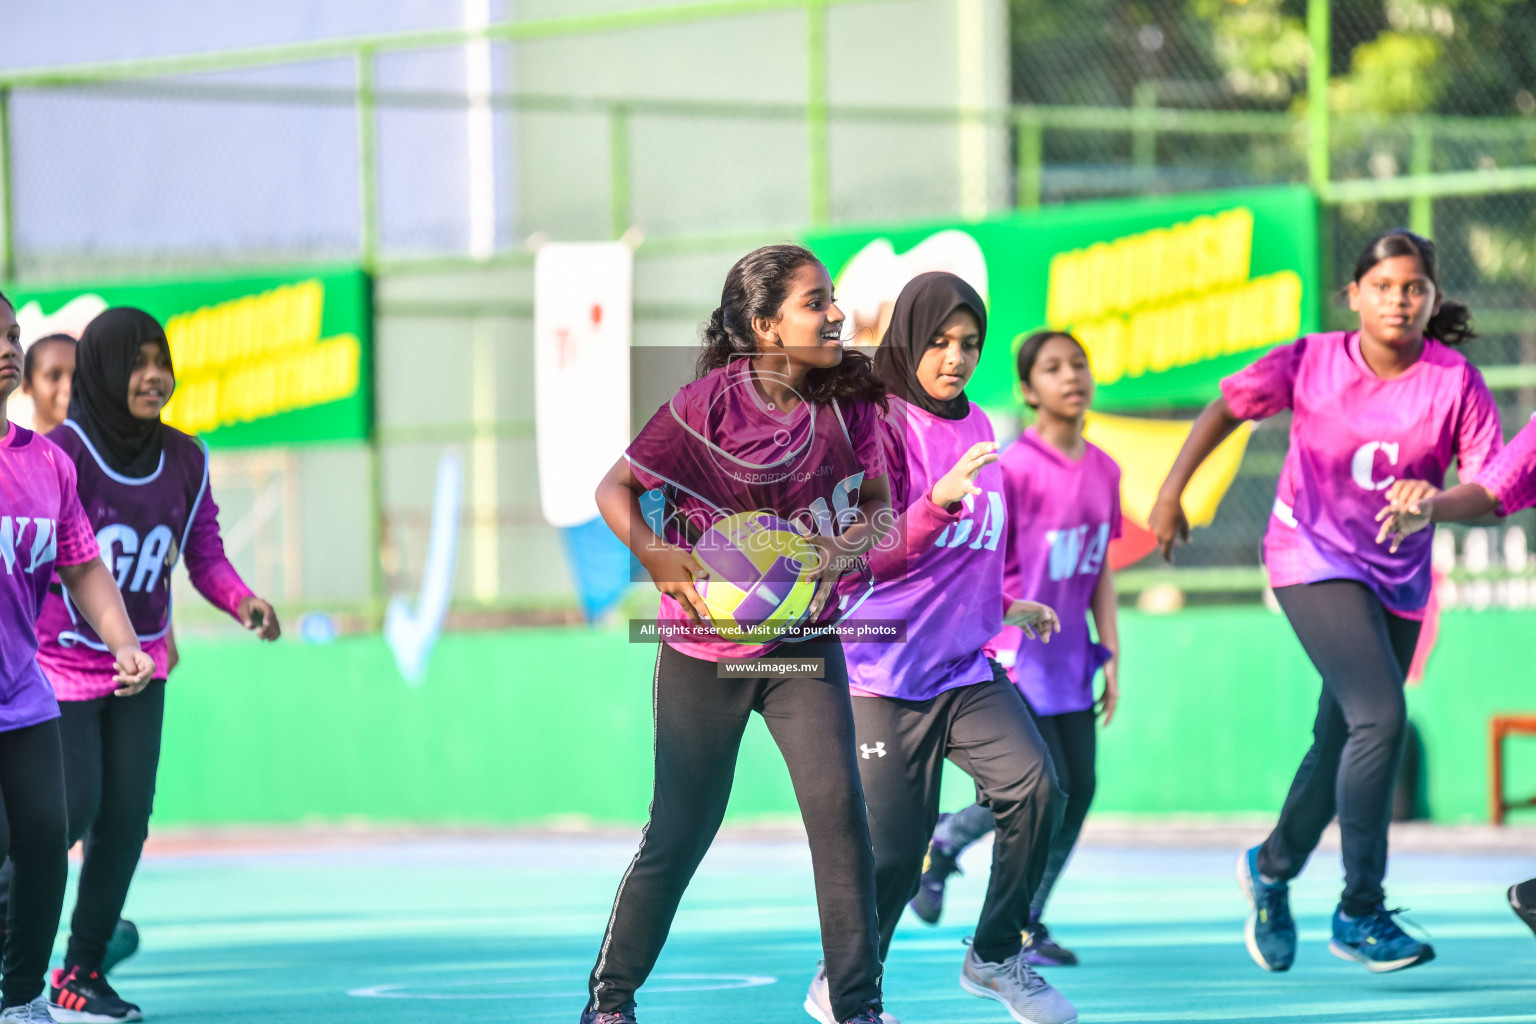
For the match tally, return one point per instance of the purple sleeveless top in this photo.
(144, 526)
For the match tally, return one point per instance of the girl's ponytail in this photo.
(1452, 325)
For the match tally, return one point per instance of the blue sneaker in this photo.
(1376, 941)
(1271, 931)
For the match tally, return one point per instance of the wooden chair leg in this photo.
(1496, 771)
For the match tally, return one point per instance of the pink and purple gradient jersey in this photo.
(719, 447)
(41, 525)
(144, 526)
(1062, 514)
(1353, 434)
(946, 578)
(1510, 476)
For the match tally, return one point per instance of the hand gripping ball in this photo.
(760, 576)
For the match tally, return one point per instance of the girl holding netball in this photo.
(1506, 484)
(780, 419)
(937, 695)
(45, 532)
(144, 487)
(1388, 401)
(1063, 499)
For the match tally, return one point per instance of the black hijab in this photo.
(98, 398)
(921, 309)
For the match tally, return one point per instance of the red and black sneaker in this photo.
(80, 997)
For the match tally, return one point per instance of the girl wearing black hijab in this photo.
(936, 695)
(144, 486)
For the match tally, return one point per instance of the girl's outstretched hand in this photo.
(961, 480)
(257, 616)
(1168, 524)
(1038, 621)
(1404, 514)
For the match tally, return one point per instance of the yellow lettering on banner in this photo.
(257, 356)
(1171, 296)
(1105, 342)
(1236, 242)
(1061, 302)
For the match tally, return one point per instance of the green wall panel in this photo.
(547, 725)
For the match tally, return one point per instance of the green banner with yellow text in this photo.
(1168, 294)
(281, 357)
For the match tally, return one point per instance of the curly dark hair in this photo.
(756, 288)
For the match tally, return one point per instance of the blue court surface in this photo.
(505, 927)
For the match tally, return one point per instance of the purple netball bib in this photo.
(141, 525)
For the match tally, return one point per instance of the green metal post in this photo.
(1319, 165)
(367, 158)
(816, 111)
(1144, 139)
(1319, 33)
(7, 223)
(1031, 139)
(618, 169)
(1421, 211)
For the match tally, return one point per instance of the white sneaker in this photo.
(1028, 998)
(35, 1012)
(818, 1000)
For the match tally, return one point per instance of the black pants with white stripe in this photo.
(700, 720)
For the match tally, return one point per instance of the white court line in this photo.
(717, 983)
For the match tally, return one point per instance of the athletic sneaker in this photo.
(1028, 998)
(1522, 900)
(818, 1002)
(938, 865)
(1376, 941)
(78, 997)
(626, 1015)
(35, 1012)
(1271, 931)
(1040, 950)
(122, 945)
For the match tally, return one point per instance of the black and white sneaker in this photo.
(1522, 900)
(81, 997)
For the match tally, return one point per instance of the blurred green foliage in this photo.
(1469, 57)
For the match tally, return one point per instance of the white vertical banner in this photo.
(582, 317)
(481, 155)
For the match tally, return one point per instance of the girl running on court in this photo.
(937, 695)
(144, 486)
(1063, 501)
(1390, 400)
(43, 531)
(780, 419)
(1506, 484)
(46, 377)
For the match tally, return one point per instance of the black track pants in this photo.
(1072, 739)
(985, 729)
(33, 830)
(699, 724)
(1362, 652)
